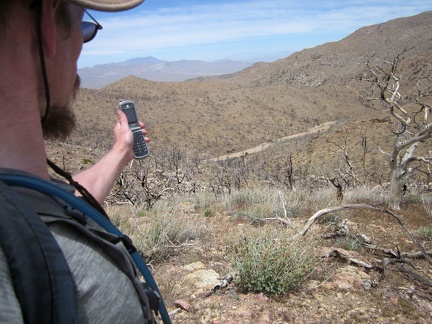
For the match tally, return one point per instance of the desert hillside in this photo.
(219, 115)
(340, 62)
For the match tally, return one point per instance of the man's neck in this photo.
(22, 145)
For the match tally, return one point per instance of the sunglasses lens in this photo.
(89, 31)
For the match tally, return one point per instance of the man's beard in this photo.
(61, 121)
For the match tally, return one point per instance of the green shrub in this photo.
(349, 243)
(425, 233)
(157, 233)
(208, 212)
(363, 194)
(327, 219)
(203, 200)
(259, 203)
(164, 231)
(86, 161)
(268, 261)
(427, 203)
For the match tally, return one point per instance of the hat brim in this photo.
(107, 5)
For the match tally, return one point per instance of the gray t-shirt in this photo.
(104, 293)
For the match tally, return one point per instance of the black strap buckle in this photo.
(153, 298)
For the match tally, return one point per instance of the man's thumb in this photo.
(121, 117)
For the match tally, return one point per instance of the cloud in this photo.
(142, 31)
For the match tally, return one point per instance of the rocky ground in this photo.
(371, 284)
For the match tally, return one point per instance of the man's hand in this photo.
(100, 178)
(123, 138)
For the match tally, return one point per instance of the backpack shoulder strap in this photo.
(41, 277)
(78, 204)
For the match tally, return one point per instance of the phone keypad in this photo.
(140, 146)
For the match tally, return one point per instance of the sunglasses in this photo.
(89, 28)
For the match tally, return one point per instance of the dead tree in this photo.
(414, 125)
(288, 172)
(339, 189)
(345, 170)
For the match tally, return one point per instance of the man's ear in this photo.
(49, 26)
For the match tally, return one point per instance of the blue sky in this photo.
(248, 30)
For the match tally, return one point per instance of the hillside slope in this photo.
(216, 116)
(340, 62)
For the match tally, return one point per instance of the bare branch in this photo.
(383, 152)
(427, 160)
(325, 211)
(322, 212)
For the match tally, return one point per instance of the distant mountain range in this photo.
(153, 69)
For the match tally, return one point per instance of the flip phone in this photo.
(140, 146)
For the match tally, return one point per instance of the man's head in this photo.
(40, 43)
(57, 35)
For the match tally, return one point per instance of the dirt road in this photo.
(263, 146)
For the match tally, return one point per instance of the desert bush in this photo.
(425, 233)
(165, 232)
(349, 243)
(246, 198)
(326, 197)
(208, 212)
(364, 194)
(328, 219)
(322, 198)
(264, 202)
(427, 204)
(412, 198)
(157, 233)
(203, 200)
(268, 261)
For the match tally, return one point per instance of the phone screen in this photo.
(131, 116)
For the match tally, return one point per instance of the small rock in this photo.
(194, 266)
(368, 284)
(184, 305)
(261, 297)
(201, 280)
